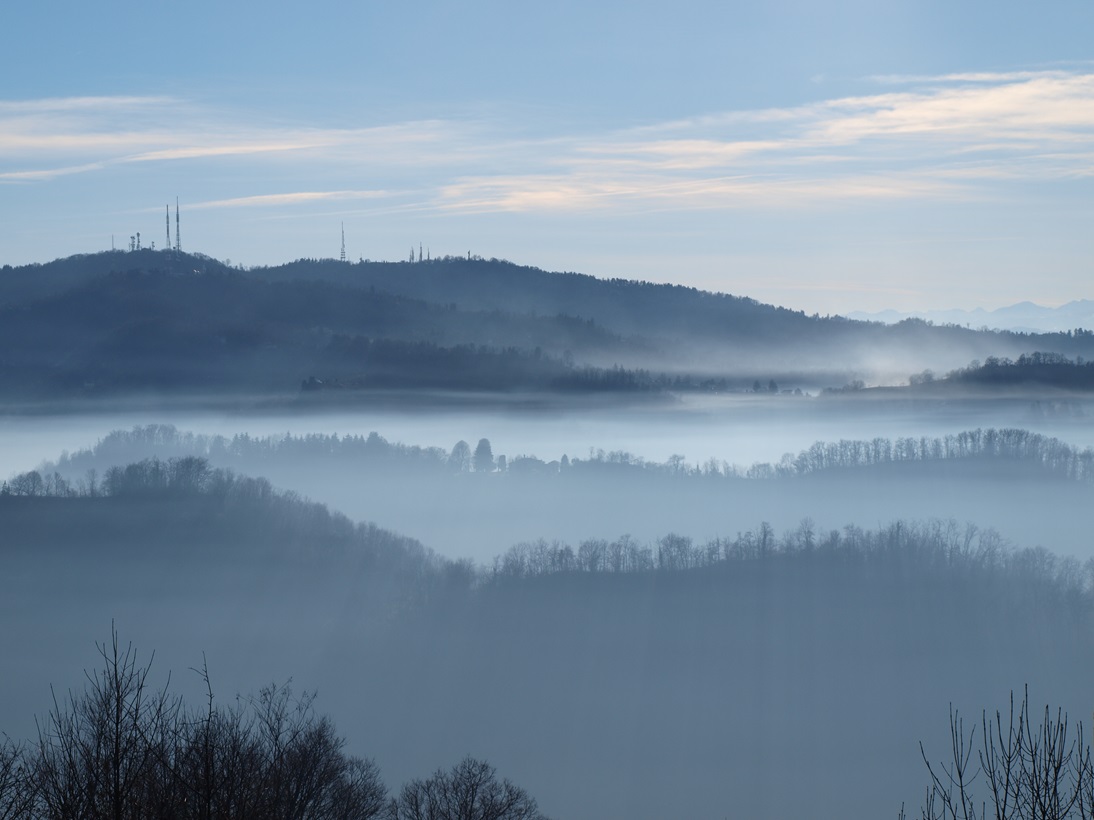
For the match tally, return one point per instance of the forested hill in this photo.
(1035, 370)
(673, 670)
(195, 518)
(720, 331)
(113, 323)
(629, 307)
(686, 315)
(226, 333)
(27, 283)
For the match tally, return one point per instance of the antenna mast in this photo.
(178, 235)
(343, 241)
(168, 220)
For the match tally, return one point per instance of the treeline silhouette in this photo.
(1040, 454)
(183, 507)
(166, 440)
(237, 501)
(911, 548)
(1040, 369)
(125, 750)
(1046, 453)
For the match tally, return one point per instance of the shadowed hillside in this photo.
(147, 323)
(657, 678)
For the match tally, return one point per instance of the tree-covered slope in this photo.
(226, 332)
(674, 315)
(122, 323)
(621, 678)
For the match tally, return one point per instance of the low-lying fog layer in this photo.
(741, 429)
(785, 666)
(1033, 489)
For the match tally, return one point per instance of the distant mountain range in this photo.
(1024, 317)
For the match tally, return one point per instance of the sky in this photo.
(825, 156)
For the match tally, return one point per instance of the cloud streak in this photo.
(627, 193)
(942, 142)
(287, 199)
(958, 136)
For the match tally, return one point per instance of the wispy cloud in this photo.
(1045, 109)
(81, 104)
(597, 192)
(296, 198)
(224, 150)
(42, 140)
(945, 141)
(945, 137)
(967, 77)
(43, 175)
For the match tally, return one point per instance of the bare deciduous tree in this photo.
(97, 755)
(122, 750)
(1022, 769)
(469, 791)
(14, 792)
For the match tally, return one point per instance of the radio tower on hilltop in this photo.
(343, 241)
(178, 236)
(167, 247)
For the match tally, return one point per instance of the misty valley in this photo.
(602, 548)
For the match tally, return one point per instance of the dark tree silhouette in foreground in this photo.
(1018, 768)
(125, 750)
(14, 787)
(469, 791)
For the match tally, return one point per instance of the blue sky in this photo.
(825, 156)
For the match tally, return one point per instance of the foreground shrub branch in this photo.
(1020, 768)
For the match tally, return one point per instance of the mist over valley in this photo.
(642, 547)
(434, 411)
(636, 666)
